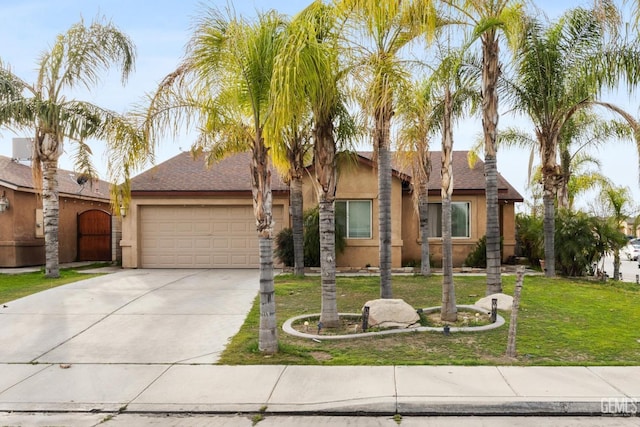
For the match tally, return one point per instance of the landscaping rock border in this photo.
(288, 328)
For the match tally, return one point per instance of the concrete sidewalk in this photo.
(378, 390)
(146, 341)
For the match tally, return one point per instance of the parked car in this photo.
(631, 251)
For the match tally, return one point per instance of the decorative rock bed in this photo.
(288, 328)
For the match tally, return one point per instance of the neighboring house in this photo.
(185, 215)
(630, 227)
(87, 230)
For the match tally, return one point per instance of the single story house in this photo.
(87, 231)
(183, 215)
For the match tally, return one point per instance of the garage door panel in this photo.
(202, 243)
(239, 260)
(239, 228)
(220, 228)
(184, 244)
(202, 228)
(239, 244)
(164, 243)
(201, 236)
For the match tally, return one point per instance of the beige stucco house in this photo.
(185, 215)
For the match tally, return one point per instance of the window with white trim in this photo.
(354, 218)
(459, 219)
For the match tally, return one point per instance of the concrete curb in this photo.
(287, 326)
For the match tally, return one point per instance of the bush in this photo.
(529, 238)
(284, 241)
(478, 256)
(284, 247)
(581, 240)
(312, 238)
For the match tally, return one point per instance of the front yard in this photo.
(561, 322)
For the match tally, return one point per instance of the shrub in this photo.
(284, 247)
(284, 241)
(529, 238)
(312, 238)
(478, 256)
(581, 240)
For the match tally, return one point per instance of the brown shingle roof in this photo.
(19, 176)
(183, 173)
(464, 178)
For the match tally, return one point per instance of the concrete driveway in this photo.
(129, 317)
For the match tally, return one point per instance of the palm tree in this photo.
(389, 27)
(560, 70)
(307, 78)
(458, 94)
(417, 124)
(75, 60)
(223, 85)
(449, 311)
(618, 202)
(583, 131)
(487, 20)
(290, 153)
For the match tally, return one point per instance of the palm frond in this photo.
(82, 54)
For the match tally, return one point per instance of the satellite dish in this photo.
(82, 179)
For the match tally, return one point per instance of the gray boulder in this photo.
(391, 313)
(505, 302)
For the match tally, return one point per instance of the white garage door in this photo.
(201, 236)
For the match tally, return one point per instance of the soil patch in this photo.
(465, 318)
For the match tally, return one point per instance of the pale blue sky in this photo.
(160, 30)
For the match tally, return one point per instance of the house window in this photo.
(354, 218)
(459, 219)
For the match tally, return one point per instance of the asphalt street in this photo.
(629, 269)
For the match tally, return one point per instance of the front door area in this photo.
(94, 236)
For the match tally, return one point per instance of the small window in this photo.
(354, 218)
(459, 219)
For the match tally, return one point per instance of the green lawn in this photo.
(14, 286)
(561, 322)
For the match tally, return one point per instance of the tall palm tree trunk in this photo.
(448, 311)
(262, 206)
(490, 75)
(325, 167)
(50, 210)
(563, 189)
(268, 330)
(550, 172)
(329, 306)
(382, 142)
(494, 279)
(423, 213)
(549, 227)
(422, 170)
(295, 188)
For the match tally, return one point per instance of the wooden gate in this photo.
(94, 235)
